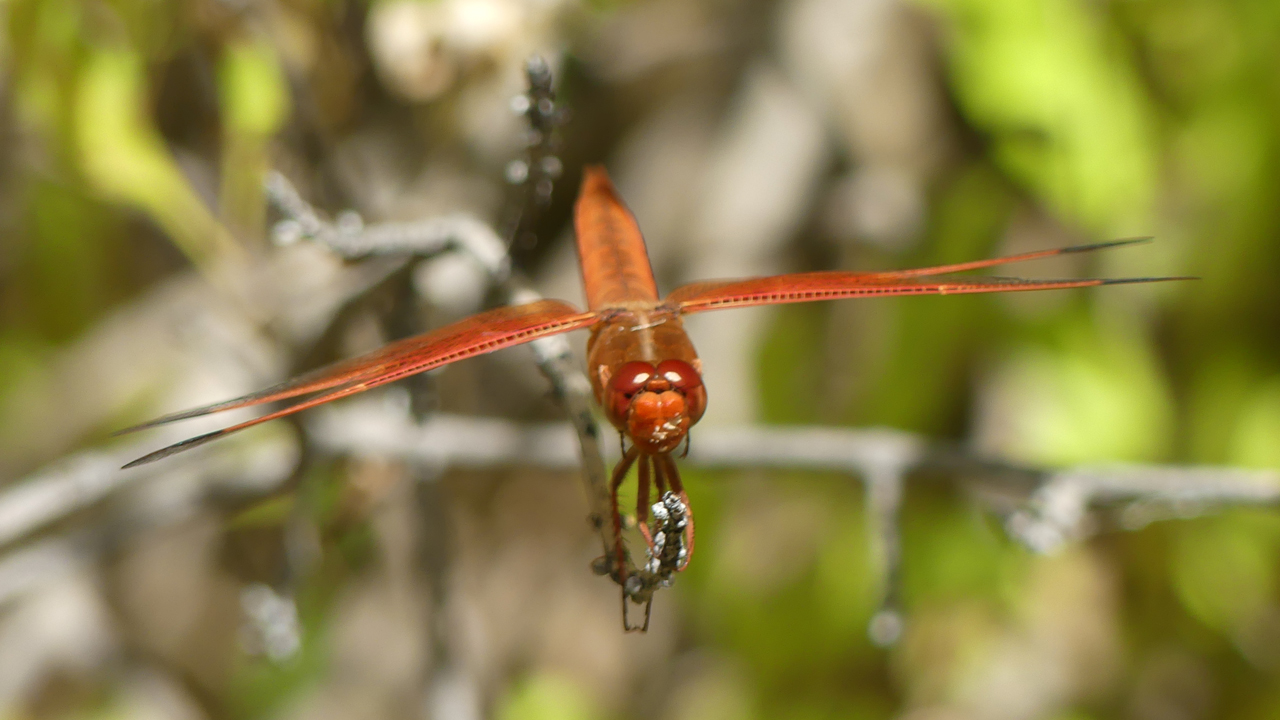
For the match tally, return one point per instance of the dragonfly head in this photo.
(655, 406)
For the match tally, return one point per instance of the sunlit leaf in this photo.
(255, 104)
(1256, 440)
(546, 696)
(1097, 395)
(254, 94)
(124, 157)
(1056, 91)
(1224, 571)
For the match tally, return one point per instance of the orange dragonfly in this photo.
(643, 368)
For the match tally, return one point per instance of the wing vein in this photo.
(476, 335)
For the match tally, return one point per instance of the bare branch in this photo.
(379, 427)
(1056, 507)
(84, 480)
(72, 485)
(572, 389)
(1053, 507)
(1058, 511)
(351, 238)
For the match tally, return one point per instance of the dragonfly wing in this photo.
(615, 263)
(1020, 257)
(808, 287)
(802, 287)
(199, 440)
(476, 335)
(324, 378)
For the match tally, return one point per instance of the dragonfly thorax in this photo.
(655, 405)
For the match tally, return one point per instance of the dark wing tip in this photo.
(1132, 281)
(194, 412)
(159, 421)
(176, 448)
(136, 428)
(1108, 244)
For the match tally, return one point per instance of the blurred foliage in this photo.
(545, 697)
(136, 133)
(1053, 87)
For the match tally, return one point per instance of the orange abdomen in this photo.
(614, 261)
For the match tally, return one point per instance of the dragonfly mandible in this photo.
(643, 368)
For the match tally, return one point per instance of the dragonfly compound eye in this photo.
(631, 377)
(685, 378)
(626, 381)
(680, 374)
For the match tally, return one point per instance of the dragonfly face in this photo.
(646, 376)
(655, 405)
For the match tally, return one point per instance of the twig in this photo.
(536, 175)
(1058, 511)
(380, 428)
(1057, 508)
(537, 172)
(572, 389)
(69, 486)
(84, 480)
(351, 238)
(152, 498)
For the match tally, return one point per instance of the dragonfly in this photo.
(644, 371)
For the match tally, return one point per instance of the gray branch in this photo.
(351, 238)
(1058, 511)
(1056, 507)
(83, 481)
(1043, 510)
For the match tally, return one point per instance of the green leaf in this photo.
(123, 156)
(1098, 395)
(255, 97)
(1058, 95)
(1223, 570)
(1256, 440)
(546, 696)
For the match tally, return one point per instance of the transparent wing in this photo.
(476, 335)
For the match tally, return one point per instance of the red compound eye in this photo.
(680, 374)
(631, 377)
(627, 380)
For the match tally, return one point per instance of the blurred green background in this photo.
(750, 137)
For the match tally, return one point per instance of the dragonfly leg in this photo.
(626, 624)
(659, 475)
(620, 557)
(673, 476)
(619, 474)
(642, 499)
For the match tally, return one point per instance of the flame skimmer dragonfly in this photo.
(643, 369)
